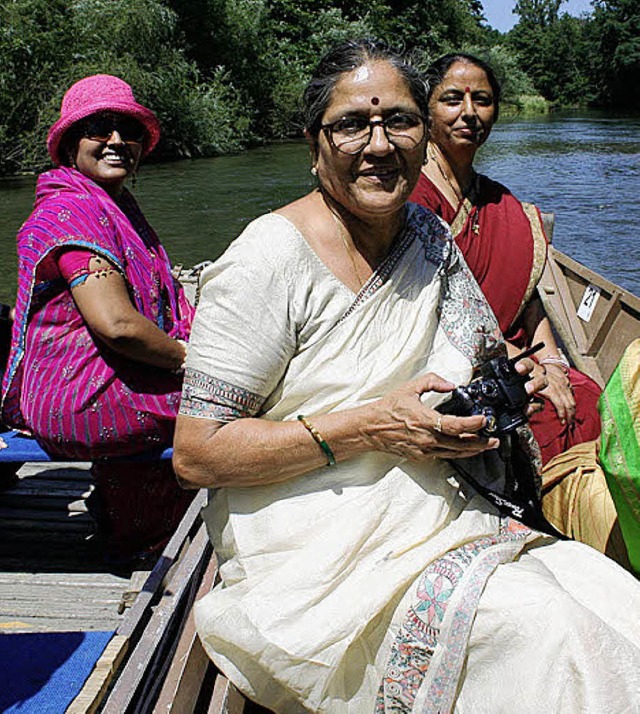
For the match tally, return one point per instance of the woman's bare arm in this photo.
(538, 329)
(251, 452)
(105, 305)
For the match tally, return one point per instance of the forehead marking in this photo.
(467, 89)
(362, 74)
(375, 101)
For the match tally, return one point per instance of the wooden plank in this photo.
(603, 326)
(26, 516)
(55, 535)
(137, 667)
(59, 471)
(86, 581)
(179, 693)
(613, 324)
(57, 618)
(573, 322)
(95, 687)
(70, 503)
(226, 698)
(135, 617)
(67, 595)
(36, 486)
(569, 331)
(104, 608)
(548, 223)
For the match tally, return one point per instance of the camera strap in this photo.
(526, 510)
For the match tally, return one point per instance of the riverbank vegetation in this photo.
(225, 74)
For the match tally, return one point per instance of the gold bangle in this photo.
(317, 436)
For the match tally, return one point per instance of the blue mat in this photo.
(42, 673)
(20, 448)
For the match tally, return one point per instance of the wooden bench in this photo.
(168, 671)
(16, 447)
(154, 662)
(132, 669)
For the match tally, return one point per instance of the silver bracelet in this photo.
(560, 361)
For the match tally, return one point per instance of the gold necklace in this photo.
(461, 196)
(341, 232)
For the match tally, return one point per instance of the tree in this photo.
(45, 46)
(34, 39)
(615, 35)
(554, 50)
(538, 13)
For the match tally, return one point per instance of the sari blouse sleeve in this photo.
(242, 337)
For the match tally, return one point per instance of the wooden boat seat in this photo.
(155, 661)
(17, 447)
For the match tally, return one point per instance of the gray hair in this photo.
(347, 57)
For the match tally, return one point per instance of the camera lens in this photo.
(489, 389)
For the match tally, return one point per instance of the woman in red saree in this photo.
(502, 240)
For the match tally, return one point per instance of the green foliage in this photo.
(292, 62)
(615, 32)
(46, 46)
(555, 50)
(531, 104)
(33, 35)
(224, 73)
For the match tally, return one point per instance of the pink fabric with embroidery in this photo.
(76, 396)
(96, 402)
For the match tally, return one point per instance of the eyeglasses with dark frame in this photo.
(100, 127)
(351, 134)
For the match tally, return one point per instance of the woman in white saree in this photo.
(358, 574)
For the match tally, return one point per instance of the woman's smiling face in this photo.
(108, 160)
(378, 180)
(462, 108)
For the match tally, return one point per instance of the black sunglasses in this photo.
(102, 126)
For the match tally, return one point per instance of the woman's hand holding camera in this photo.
(402, 425)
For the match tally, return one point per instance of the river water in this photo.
(584, 168)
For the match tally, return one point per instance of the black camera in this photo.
(498, 394)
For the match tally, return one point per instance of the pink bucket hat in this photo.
(99, 93)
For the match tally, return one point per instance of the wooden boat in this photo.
(593, 318)
(155, 662)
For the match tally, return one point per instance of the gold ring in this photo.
(438, 426)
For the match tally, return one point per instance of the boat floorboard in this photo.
(52, 577)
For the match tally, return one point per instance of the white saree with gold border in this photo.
(383, 585)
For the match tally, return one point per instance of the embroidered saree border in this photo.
(539, 241)
(539, 253)
(384, 271)
(206, 397)
(429, 651)
(465, 208)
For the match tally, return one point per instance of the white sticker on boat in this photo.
(588, 302)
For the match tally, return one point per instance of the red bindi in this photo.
(467, 89)
(375, 101)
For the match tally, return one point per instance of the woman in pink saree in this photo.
(99, 335)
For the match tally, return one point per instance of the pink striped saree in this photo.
(76, 396)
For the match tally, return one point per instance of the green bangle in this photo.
(317, 436)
